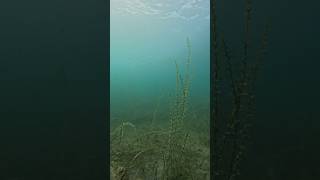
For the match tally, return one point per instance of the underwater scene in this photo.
(159, 89)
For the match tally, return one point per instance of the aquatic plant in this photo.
(231, 121)
(176, 169)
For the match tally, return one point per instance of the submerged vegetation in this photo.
(168, 152)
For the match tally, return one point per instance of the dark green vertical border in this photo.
(211, 88)
(54, 92)
(108, 91)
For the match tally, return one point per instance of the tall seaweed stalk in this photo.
(230, 122)
(178, 136)
(178, 111)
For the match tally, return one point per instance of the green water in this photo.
(147, 39)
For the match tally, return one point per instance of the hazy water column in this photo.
(146, 38)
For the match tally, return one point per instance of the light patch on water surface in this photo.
(186, 10)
